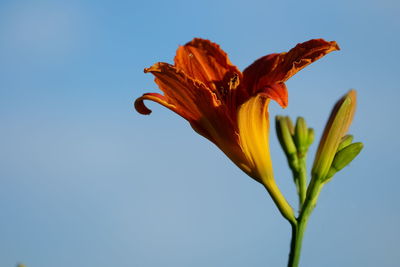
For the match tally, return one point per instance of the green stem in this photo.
(302, 180)
(295, 245)
(298, 229)
(299, 171)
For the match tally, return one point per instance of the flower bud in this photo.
(346, 140)
(301, 136)
(336, 127)
(343, 157)
(283, 130)
(290, 125)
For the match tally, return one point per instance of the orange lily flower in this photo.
(228, 107)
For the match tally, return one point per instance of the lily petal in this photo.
(195, 102)
(191, 97)
(302, 55)
(207, 62)
(278, 68)
(277, 92)
(253, 125)
(142, 109)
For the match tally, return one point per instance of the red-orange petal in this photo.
(190, 97)
(195, 102)
(278, 68)
(158, 98)
(304, 54)
(205, 61)
(277, 92)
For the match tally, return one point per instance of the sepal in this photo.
(343, 157)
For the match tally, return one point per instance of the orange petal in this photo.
(142, 109)
(304, 54)
(253, 123)
(205, 61)
(277, 92)
(199, 105)
(278, 68)
(192, 98)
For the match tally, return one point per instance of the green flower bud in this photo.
(336, 127)
(290, 125)
(283, 131)
(343, 157)
(346, 140)
(284, 134)
(301, 136)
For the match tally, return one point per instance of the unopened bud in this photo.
(343, 158)
(336, 127)
(284, 135)
(346, 140)
(289, 124)
(301, 135)
(283, 130)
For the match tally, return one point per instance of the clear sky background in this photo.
(86, 181)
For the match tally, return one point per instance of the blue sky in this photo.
(86, 181)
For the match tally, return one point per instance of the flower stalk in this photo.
(299, 229)
(295, 141)
(335, 151)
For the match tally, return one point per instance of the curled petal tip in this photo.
(141, 107)
(158, 98)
